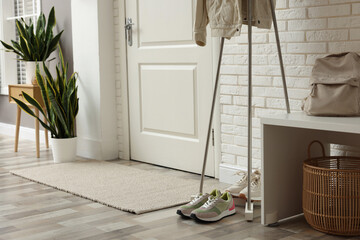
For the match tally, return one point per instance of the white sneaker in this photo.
(237, 187)
(255, 188)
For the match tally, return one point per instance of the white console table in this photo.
(285, 139)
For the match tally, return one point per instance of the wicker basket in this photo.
(331, 193)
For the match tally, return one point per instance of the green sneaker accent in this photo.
(215, 209)
(198, 201)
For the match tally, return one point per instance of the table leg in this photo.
(37, 134)
(46, 133)
(18, 118)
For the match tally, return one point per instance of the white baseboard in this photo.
(25, 132)
(87, 148)
(97, 149)
(227, 173)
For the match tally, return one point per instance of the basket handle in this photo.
(321, 145)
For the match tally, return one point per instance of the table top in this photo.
(301, 120)
(24, 85)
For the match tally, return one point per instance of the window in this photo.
(13, 72)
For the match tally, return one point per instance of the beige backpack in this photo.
(335, 82)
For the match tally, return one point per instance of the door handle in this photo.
(128, 31)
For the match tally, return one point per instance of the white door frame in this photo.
(125, 100)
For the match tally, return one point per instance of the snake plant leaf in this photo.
(61, 82)
(35, 43)
(40, 25)
(47, 73)
(53, 120)
(16, 45)
(43, 90)
(51, 22)
(7, 46)
(11, 49)
(66, 69)
(77, 107)
(26, 109)
(30, 31)
(68, 94)
(61, 56)
(25, 49)
(31, 49)
(34, 103)
(53, 86)
(20, 28)
(59, 112)
(54, 42)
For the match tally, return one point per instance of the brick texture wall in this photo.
(308, 29)
(117, 29)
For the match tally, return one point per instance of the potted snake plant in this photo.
(35, 43)
(60, 107)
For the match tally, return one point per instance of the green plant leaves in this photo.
(35, 44)
(51, 22)
(60, 93)
(24, 107)
(60, 100)
(7, 46)
(25, 48)
(54, 42)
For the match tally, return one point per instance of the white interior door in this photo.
(170, 86)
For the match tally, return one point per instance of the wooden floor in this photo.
(33, 211)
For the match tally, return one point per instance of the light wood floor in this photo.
(33, 211)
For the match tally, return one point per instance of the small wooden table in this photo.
(34, 91)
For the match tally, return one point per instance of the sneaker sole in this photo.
(214, 219)
(239, 202)
(235, 193)
(179, 212)
(253, 199)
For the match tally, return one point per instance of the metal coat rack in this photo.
(249, 205)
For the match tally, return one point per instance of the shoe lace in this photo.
(242, 176)
(210, 202)
(196, 198)
(255, 182)
(256, 174)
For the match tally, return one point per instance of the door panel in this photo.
(170, 86)
(165, 22)
(168, 93)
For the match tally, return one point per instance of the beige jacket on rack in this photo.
(227, 16)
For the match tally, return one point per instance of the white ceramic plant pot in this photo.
(30, 67)
(30, 72)
(64, 149)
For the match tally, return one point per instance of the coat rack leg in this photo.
(280, 56)
(211, 116)
(249, 216)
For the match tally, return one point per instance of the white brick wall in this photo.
(117, 29)
(309, 29)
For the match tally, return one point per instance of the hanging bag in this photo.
(335, 83)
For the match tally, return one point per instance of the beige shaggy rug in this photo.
(115, 185)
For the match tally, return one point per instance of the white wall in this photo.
(308, 29)
(93, 51)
